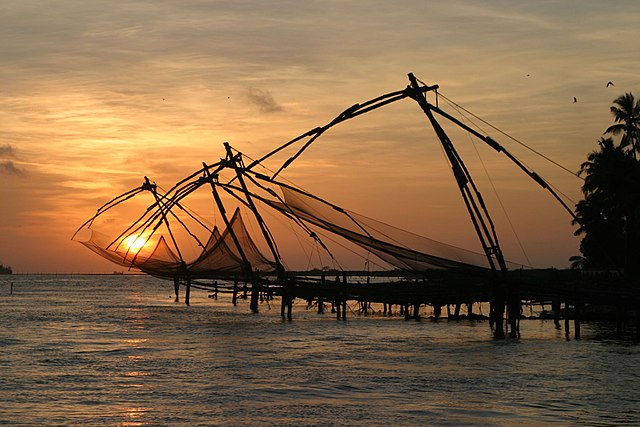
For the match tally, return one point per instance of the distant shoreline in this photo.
(79, 274)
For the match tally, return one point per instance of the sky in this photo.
(95, 95)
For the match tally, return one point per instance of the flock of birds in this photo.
(609, 83)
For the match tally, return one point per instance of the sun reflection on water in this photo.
(133, 416)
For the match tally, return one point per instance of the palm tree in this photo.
(626, 111)
(609, 215)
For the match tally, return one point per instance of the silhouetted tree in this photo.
(609, 215)
(626, 111)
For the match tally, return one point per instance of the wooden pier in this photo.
(572, 297)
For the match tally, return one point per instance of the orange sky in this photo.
(97, 94)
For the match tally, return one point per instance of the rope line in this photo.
(513, 138)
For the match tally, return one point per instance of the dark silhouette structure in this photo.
(420, 271)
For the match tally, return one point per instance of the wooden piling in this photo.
(255, 294)
(497, 309)
(344, 296)
(187, 294)
(437, 311)
(234, 298)
(576, 320)
(283, 300)
(456, 313)
(555, 306)
(567, 331)
(514, 309)
(176, 287)
(320, 298)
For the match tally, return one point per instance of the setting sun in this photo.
(135, 242)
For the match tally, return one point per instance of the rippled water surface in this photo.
(116, 350)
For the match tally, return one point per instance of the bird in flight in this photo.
(575, 99)
(610, 83)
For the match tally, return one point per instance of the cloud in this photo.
(7, 167)
(6, 151)
(263, 100)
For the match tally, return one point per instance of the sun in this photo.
(135, 242)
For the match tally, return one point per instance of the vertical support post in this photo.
(456, 312)
(321, 298)
(416, 311)
(555, 306)
(176, 287)
(284, 297)
(514, 307)
(576, 320)
(338, 301)
(283, 302)
(255, 293)
(497, 312)
(234, 298)
(344, 296)
(567, 332)
(188, 291)
(437, 311)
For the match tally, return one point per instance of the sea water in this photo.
(117, 350)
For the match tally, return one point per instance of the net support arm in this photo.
(246, 265)
(234, 161)
(473, 200)
(351, 112)
(163, 212)
(499, 148)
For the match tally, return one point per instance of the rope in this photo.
(504, 210)
(513, 138)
